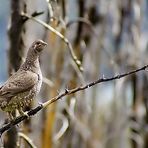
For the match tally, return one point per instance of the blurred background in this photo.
(109, 37)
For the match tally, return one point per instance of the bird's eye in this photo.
(38, 43)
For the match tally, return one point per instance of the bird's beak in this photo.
(44, 43)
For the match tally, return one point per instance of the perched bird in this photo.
(24, 85)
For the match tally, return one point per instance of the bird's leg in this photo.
(21, 112)
(10, 116)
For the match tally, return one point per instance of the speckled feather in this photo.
(23, 86)
(19, 82)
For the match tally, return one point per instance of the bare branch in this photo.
(74, 57)
(67, 92)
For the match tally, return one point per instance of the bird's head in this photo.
(38, 45)
(33, 54)
(35, 50)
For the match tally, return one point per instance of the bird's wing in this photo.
(19, 82)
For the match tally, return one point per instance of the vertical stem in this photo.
(134, 118)
(145, 98)
(81, 10)
(15, 55)
(16, 42)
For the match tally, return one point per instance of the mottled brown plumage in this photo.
(23, 86)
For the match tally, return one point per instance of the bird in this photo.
(24, 85)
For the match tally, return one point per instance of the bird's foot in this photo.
(26, 114)
(40, 103)
(22, 113)
(11, 117)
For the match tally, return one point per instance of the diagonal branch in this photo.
(67, 92)
(74, 57)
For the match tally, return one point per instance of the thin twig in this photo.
(63, 129)
(101, 80)
(74, 57)
(82, 20)
(27, 139)
(67, 92)
(50, 9)
(48, 82)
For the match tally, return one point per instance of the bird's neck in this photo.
(31, 65)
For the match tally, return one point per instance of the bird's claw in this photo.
(26, 114)
(23, 113)
(40, 103)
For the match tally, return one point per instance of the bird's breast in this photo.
(38, 85)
